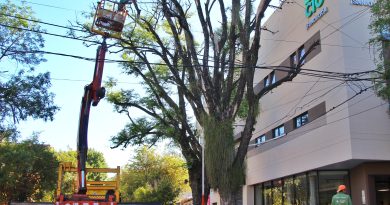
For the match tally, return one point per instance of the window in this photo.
(301, 53)
(258, 194)
(309, 188)
(288, 191)
(279, 131)
(301, 189)
(293, 60)
(277, 192)
(266, 81)
(260, 140)
(268, 193)
(301, 120)
(328, 183)
(273, 77)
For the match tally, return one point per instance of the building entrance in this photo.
(382, 189)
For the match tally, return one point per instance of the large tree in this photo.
(380, 27)
(23, 93)
(195, 58)
(153, 177)
(27, 170)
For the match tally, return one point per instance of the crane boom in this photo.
(108, 22)
(92, 95)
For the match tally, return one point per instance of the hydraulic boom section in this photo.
(108, 22)
(92, 95)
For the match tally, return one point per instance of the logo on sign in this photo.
(363, 2)
(311, 6)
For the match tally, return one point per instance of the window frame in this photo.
(260, 140)
(301, 53)
(293, 60)
(300, 117)
(272, 77)
(266, 81)
(279, 133)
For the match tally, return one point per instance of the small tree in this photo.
(153, 178)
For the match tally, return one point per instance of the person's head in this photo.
(341, 188)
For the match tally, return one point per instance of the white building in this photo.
(316, 133)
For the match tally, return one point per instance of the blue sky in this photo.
(69, 76)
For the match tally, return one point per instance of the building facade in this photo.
(322, 129)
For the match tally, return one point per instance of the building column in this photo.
(313, 189)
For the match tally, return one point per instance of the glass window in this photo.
(288, 191)
(268, 193)
(301, 192)
(279, 131)
(328, 183)
(277, 192)
(301, 120)
(266, 81)
(260, 140)
(273, 77)
(258, 194)
(293, 60)
(301, 53)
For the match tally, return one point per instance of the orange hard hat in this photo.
(341, 188)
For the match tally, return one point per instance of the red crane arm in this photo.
(92, 95)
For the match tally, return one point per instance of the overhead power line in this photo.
(47, 5)
(41, 22)
(309, 72)
(328, 111)
(47, 33)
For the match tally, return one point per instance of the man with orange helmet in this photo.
(341, 198)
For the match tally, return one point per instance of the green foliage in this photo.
(15, 42)
(380, 25)
(95, 159)
(23, 94)
(153, 178)
(243, 110)
(27, 171)
(143, 130)
(219, 156)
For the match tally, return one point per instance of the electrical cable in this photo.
(330, 110)
(47, 5)
(337, 29)
(327, 74)
(41, 22)
(47, 33)
(291, 101)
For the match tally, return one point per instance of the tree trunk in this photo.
(232, 198)
(195, 174)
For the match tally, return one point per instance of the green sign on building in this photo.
(311, 6)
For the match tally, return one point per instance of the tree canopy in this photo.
(151, 177)
(23, 93)
(28, 170)
(380, 27)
